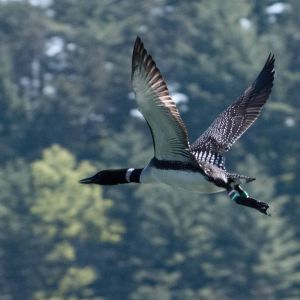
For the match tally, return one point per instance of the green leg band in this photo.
(233, 195)
(244, 194)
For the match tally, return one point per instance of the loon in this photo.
(200, 166)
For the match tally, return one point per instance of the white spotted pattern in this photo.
(210, 157)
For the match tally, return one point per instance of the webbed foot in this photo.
(250, 202)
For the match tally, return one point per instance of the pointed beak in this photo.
(87, 180)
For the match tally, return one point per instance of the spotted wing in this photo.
(238, 117)
(214, 158)
(170, 138)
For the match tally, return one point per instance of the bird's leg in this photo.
(242, 192)
(241, 197)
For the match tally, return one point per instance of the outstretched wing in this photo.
(170, 138)
(239, 116)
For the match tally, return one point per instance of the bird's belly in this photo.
(187, 180)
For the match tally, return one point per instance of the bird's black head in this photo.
(107, 177)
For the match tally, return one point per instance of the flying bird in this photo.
(200, 166)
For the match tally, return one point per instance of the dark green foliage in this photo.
(49, 225)
(65, 80)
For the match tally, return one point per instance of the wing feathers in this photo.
(239, 116)
(169, 134)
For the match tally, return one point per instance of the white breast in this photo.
(191, 181)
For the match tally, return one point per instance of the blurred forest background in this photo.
(67, 110)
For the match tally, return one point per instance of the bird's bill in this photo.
(87, 180)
